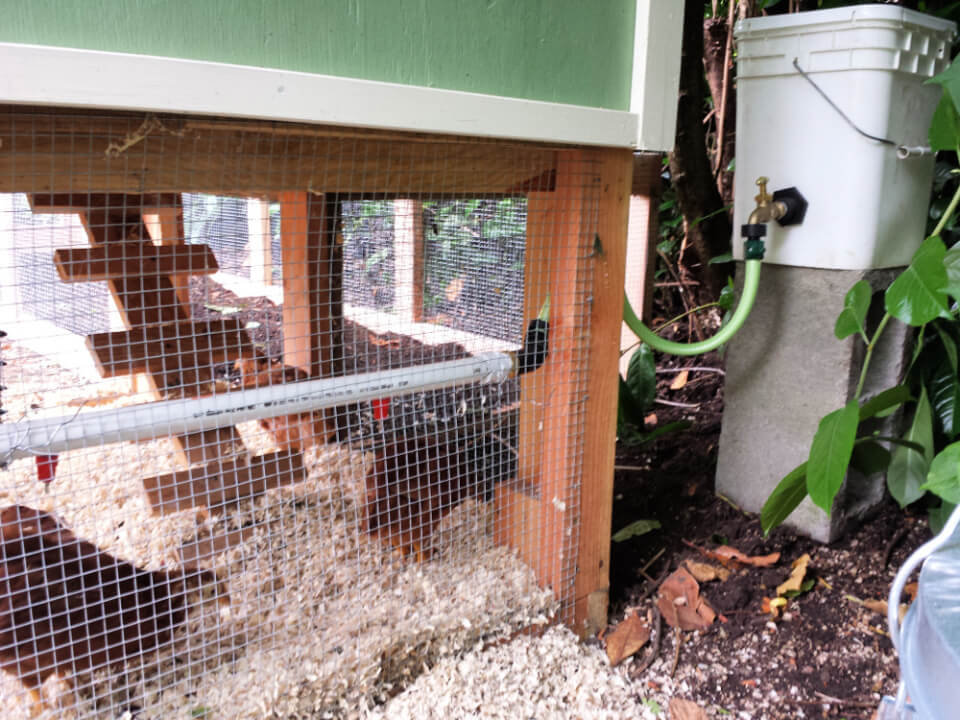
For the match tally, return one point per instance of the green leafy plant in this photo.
(636, 397)
(924, 296)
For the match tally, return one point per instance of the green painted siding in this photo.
(572, 51)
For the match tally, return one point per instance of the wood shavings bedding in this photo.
(323, 621)
(551, 677)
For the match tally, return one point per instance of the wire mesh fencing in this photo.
(289, 410)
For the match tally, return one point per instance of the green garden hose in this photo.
(751, 280)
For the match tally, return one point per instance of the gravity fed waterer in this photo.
(835, 103)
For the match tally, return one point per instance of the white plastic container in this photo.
(867, 208)
(928, 641)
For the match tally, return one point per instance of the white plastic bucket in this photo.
(867, 208)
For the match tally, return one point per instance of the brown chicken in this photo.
(68, 607)
(415, 481)
(291, 432)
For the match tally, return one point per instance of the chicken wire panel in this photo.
(271, 562)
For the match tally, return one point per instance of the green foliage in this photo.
(944, 476)
(908, 467)
(642, 376)
(854, 315)
(830, 454)
(635, 529)
(784, 499)
(919, 295)
(939, 516)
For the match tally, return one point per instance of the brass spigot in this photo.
(767, 208)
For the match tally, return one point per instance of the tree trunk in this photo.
(720, 82)
(708, 227)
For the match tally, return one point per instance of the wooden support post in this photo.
(408, 259)
(260, 241)
(641, 244)
(567, 416)
(312, 247)
(599, 425)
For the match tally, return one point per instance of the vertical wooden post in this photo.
(408, 259)
(600, 414)
(641, 244)
(311, 241)
(567, 429)
(260, 241)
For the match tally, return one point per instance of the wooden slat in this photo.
(647, 167)
(169, 347)
(77, 202)
(408, 259)
(223, 481)
(115, 261)
(600, 414)
(260, 241)
(519, 509)
(165, 226)
(235, 161)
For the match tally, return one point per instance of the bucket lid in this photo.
(858, 15)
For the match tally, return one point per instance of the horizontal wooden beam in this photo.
(223, 481)
(169, 347)
(76, 202)
(114, 261)
(47, 153)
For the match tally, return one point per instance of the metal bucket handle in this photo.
(918, 556)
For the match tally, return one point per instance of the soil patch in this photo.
(824, 655)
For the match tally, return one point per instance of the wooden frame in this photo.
(576, 239)
(560, 433)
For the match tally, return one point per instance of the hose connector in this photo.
(753, 246)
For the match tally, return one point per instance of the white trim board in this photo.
(54, 76)
(657, 38)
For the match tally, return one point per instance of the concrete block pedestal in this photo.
(785, 371)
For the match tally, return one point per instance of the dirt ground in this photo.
(825, 655)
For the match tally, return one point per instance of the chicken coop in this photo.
(308, 371)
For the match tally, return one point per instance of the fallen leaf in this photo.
(680, 603)
(686, 710)
(731, 557)
(773, 606)
(626, 638)
(453, 289)
(911, 590)
(877, 606)
(705, 572)
(680, 380)
(640, 527)
(797, 575)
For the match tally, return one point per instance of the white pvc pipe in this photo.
(49, 436)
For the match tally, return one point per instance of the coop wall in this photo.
(166, 262)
